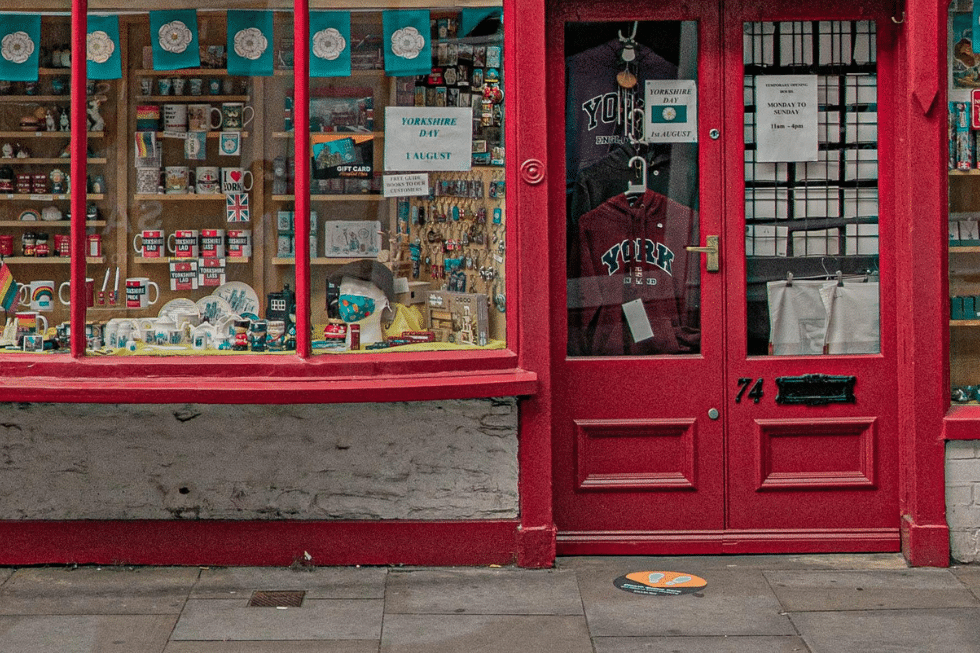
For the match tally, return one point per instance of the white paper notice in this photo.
(405, 185)
(786, 118)
(636, 318)
(671, 114)
(428, 138)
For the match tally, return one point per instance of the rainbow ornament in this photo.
(8, 288)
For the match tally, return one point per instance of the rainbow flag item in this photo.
(8, 288)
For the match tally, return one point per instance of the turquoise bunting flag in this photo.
(250, 43)
(330, 44)
(20, 37)
(102, 58)
(473, 16)
(407, 47)
(174, 37)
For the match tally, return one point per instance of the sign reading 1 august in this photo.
(671, 114)
(428, 138)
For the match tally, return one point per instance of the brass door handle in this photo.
(710, 250)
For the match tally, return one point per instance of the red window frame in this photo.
(302, 378)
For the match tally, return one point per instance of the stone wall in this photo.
(963, 499)
(428, 460)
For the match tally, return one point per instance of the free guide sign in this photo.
(428, 138)
(660, 583)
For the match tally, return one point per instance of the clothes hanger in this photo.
(633, 189)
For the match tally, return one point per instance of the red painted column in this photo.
(301, 149)
(79, 186)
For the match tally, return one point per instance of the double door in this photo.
(724, 343)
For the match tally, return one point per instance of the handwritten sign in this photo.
(428, 138)
(671, 113)
(405, 185)
(786, 118)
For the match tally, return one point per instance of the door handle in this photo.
(710, 250)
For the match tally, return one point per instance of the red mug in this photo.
(6, 245)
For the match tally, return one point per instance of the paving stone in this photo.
(891, 631)
(766, 562)
(333, 646)
(720, 644)
(85, 633)
(226, 619)
(319, 583)
(801, 591)
(485, 634)
(735, 602)
(483, 591)
(97, 590)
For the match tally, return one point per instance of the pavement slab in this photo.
(891, 631)
(485, 634)
(85, 633)
(483, 591)
(765, 562)
(318, 583)
(328, 646)
(721, 644)
(97, 590)
(804, 591)
(735, 602)
(317, 619)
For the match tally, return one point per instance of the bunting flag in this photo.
(250, 43)
(8, 288)
(174, 37)
(20, 46)
(102, 58)
(406, 41)
(330, 44)
(473, 16)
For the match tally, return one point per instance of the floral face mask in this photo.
(354, 308)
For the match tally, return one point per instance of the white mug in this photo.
(184, 243)
(151, 243)
(89, 292)
(199, 117)
(239, 243)
(233, 180)
(212, 243)
(38, 295)
(138, 291)
(175, 117)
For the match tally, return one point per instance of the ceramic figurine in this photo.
(95, 120)
(49, 121)
(7, 150)
(279, 176)
(64, 121)
(22, 152)
(58, 179)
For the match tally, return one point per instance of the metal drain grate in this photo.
(276, 599)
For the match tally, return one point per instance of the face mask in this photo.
(354, 308)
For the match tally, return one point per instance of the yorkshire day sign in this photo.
(428, 138)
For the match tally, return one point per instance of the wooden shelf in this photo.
(364, 197)
(291, 134)
(43, 197)
(33, 99)
(189, 72)
(41, 161)
(965, 173)
(964, 323)
(174, 99)
(322, 261)
(46, 223)
(142, 260)
(51, 260)
(211, 134)
(184, 197)
(45, 134)
(355, 72)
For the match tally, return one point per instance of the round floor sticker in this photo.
(660, 583)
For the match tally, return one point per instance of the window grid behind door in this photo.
(828, 207)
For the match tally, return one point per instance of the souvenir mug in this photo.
(214, 86)
(30, 323)
(184, 243)
(138, 291)
(196, 85)
(89, 292)
(147, 118)
(151, 245)
(163, 85)
(212, 243)
(175, 117)
(177, 179)
(235, 116)
(37, 295)
(147, 181)
(239, 243)
(178, 84)
(199, 117)
(207, 180)
(146, 85)
(233, 180)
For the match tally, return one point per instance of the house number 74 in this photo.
(755, 393)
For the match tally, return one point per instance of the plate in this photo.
(213, 308)
(30, 215)
(240, 296)
(181, 305)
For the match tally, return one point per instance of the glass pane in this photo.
(811, 188)
(34, 136)
(632, 190)
(420, 266)
(964, 209)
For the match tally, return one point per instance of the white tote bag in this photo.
(853, 325)
(797, 318)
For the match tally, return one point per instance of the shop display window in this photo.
(192, 239)
(811, 196)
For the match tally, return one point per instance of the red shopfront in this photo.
(699, 428)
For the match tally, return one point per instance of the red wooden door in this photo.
(668, 434)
